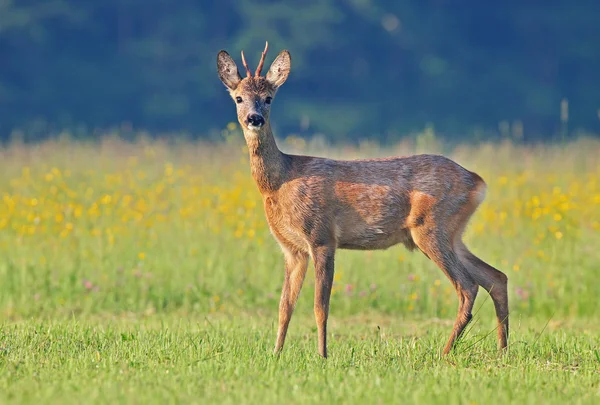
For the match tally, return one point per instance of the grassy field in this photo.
(144, 272)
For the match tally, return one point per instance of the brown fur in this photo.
(315, 206)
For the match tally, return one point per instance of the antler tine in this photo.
(248, 71)
(262, 60)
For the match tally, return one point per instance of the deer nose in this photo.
(256, 120)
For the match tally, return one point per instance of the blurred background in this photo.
(468, 68)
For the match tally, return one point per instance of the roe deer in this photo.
(315, 206)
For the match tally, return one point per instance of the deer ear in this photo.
(228, 71)
(280, 69)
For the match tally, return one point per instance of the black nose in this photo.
(256, 120)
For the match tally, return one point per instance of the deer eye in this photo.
(238, 100)
(268, 100)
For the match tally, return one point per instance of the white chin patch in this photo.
(254, 127)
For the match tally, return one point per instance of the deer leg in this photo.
(295, 269)
(324, 258)
(442, 254)
(467, 292)
(495, 283)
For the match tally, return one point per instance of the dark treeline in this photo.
(360, 67)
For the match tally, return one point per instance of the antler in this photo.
(248, 72)
(260, 64)
(262, 60)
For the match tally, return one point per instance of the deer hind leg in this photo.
(491, 279)
(441, 253)
(296, 264)
(494, 282)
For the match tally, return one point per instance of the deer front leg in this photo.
(324, 268)
(295, 270)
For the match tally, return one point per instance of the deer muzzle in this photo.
(255, 120)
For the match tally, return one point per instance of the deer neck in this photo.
(267, 163)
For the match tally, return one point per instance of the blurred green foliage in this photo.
(360, 67)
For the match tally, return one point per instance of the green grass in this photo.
(229, 361)
(145, 273)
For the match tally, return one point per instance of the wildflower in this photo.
(348, 289)
(89, 286)
(522, 293)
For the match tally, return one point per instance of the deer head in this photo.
(254, 93)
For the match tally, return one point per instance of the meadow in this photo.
(144, 272)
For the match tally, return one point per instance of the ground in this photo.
(144, 272)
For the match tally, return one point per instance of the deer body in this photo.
(315, 206)
(363, 204)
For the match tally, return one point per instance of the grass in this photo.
(226, 361)
(144, 272)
